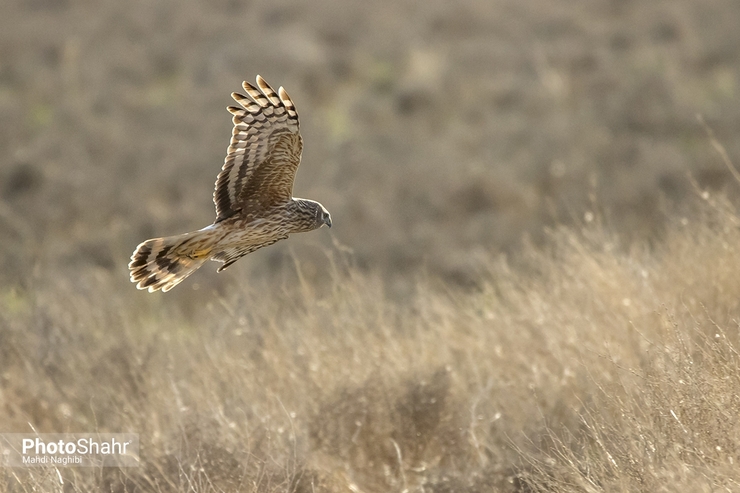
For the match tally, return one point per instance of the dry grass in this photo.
(589, 367)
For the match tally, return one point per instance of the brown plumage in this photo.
(254, 195)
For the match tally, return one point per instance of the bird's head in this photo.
(322, 216)
(313, 215)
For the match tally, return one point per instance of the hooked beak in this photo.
(327, 220)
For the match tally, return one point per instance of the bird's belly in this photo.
(256, 232)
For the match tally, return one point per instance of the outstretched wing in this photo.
(263, 155)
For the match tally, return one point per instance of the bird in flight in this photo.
(254, 199)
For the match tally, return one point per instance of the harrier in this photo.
(254, 199)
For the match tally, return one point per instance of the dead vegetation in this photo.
(589, 367)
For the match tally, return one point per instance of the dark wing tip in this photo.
(236, 111)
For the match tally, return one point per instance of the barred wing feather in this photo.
(265, 149)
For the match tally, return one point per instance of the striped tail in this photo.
(163, 263)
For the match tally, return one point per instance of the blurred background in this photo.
(436, 133)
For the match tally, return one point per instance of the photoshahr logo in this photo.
(70, 449)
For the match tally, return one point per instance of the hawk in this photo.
(254, 199)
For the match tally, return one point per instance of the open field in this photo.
(585, 369)
(522, 290)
